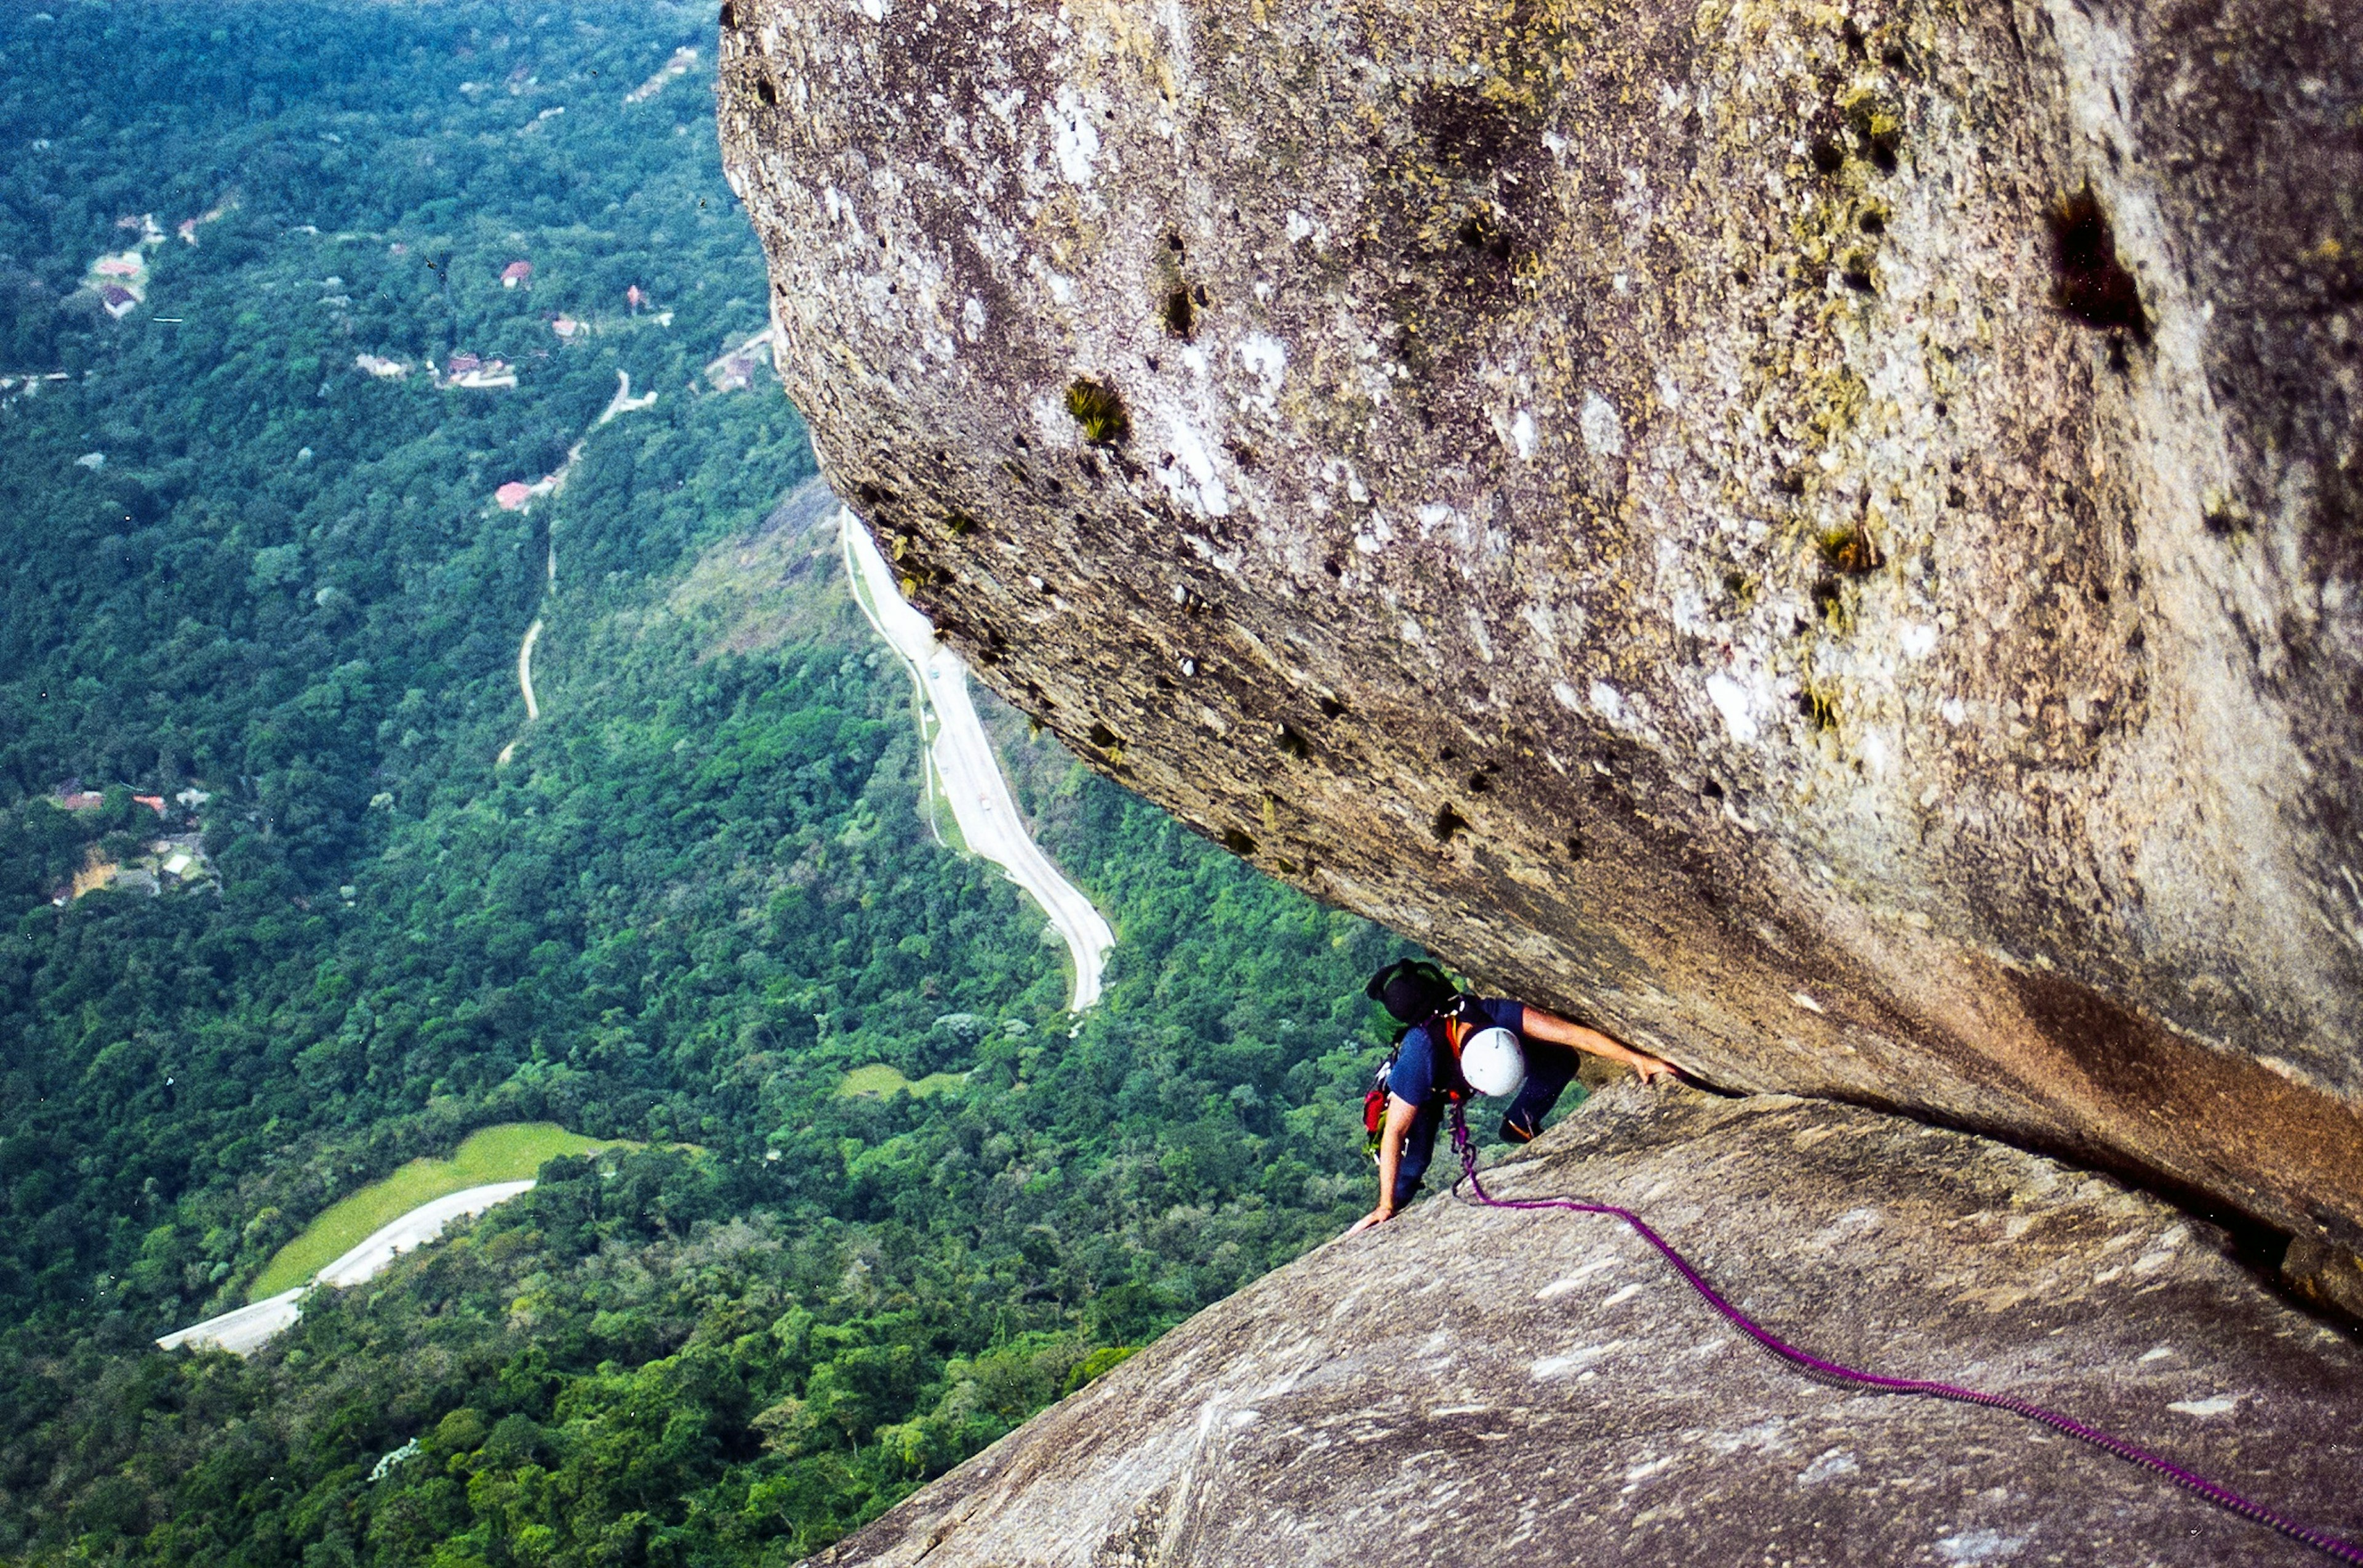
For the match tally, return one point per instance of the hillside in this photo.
(446, 328)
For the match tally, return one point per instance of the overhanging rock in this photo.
(1823, 540)
(1467, 1387)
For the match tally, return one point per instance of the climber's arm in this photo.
(1400, 1114)
(1559, 1031)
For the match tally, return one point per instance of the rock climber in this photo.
(1428, 1069)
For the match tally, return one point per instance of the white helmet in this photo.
(1493, 1062)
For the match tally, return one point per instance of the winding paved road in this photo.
(251, 1327)
(963, 758)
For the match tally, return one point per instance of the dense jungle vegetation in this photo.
(267, 586)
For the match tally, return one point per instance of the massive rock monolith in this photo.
(1469, 1386)
(1823, 538)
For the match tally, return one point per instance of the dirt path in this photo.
(251, 1327)
(622, 403)
(524, 668)
(964, 759)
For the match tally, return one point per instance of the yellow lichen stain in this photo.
(1113, 31)
(1833, 400)
(1994, 1298)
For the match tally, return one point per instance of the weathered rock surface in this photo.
(1465, 1387)
(1823, 536)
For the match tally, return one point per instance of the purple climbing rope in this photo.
(1815, 1366)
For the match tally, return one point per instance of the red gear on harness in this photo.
(1455, 1034)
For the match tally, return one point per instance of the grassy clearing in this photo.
(940, 814)
(884, 1082)
(506, 1153)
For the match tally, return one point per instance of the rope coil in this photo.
(1832, 1372)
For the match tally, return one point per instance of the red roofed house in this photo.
(514, 273)
(461, 364)
(512, 495)
(154, 803)
(634, 297)
(82, 800)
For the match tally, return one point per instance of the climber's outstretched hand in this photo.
(1653, 1070)
(1377, 1215)
(1549, 1025)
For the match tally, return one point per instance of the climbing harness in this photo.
(1448, 1032)
(1831, 1372)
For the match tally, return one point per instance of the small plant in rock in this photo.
(1101, 413)
(1851, 550)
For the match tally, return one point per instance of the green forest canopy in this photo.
(695, 896)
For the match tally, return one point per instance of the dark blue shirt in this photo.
(1425, 1067)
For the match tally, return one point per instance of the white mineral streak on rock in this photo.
(1573, 1360)
(1266, 359)
(1075, 140)
(1543, 621)
(1827, 1466)
(1602, 431)
(1481, 638)
(1197, 482)
(1574, 1279)
(1978, 1546)
(1730, 700)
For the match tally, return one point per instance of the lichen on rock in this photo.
(1823, 539)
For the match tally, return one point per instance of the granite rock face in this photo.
(1464, 1386)
(1823, 538)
